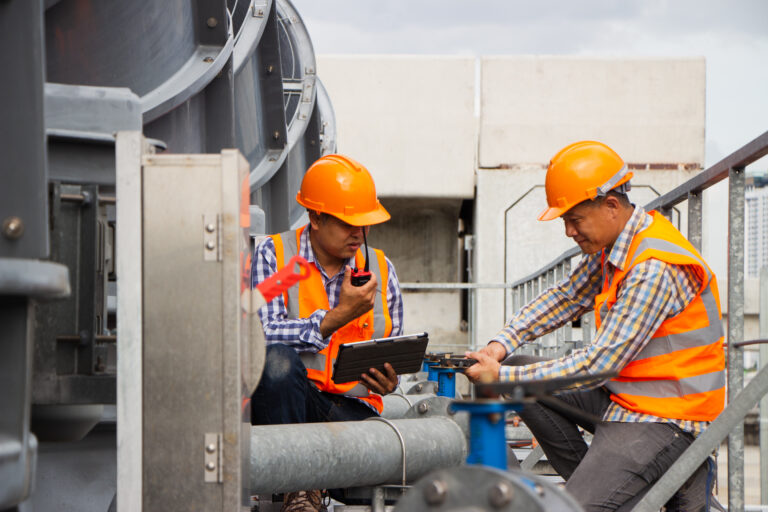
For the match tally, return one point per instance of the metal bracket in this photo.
(211, 238)
(212, 471)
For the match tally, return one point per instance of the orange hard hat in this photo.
(580, 171)
(342, 187)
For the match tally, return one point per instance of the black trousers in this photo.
(623, 461)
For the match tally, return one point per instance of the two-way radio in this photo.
(360, 277)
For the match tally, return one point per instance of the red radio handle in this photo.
(297, 269)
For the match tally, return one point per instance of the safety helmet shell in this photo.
(581, 171)
(342, 187)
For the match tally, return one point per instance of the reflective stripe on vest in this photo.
(317, 363)
(680, 373)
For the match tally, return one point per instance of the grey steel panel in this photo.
(129, 149)
(195, 331)
(101, 110)
(23, 208)
(17, 444)
(139, 45)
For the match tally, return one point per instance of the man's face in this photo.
(591, 226)
(335, 237)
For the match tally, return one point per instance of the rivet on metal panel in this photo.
(210, 246)
(270, 68)
(208, 60)
(13, 228)
(435, 492)
(500, 494)
(210, 466)
(310, 71)
(210, 227)
(212, 22)
(423, 407)
(276, 134)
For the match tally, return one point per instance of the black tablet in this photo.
(404, 353)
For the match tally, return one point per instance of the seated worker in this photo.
(305, 326)
(659, 327)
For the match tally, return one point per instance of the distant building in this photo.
(756, 225)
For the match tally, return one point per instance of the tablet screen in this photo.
(404, 353)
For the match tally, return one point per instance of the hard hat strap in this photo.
(611, 183)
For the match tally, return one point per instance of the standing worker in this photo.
(659, 327)
(305, 326)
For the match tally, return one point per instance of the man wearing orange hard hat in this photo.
(659, 330)
(338, 303)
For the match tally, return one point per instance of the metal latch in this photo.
(213, 458)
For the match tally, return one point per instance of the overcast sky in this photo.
(731, 35)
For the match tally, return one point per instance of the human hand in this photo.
(486, 369)
(356, 300)
(378, 382)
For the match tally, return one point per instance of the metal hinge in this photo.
(213, 459)
(212, 237)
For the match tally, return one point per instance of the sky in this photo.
(731, 35)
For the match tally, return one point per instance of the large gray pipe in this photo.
(287, 458)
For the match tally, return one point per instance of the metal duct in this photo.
(287, 458)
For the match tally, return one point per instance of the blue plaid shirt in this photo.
(649, 294)
(303, 334)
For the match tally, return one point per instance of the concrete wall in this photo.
(409, 119)
(648, 110)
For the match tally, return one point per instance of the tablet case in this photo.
(404, 353)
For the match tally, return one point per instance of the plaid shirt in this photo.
(649, 294)
(303, 334)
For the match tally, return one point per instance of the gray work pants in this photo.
(624, 459)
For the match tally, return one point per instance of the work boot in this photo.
(303, 501)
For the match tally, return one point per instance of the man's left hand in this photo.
(486, 369)
(378, 382)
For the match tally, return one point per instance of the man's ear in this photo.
(613, 205)
(314, 219)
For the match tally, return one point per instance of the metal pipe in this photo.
(735, 331)
(287, 458)
(702, 447)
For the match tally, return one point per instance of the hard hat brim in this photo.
(552, 213)
(376, 216)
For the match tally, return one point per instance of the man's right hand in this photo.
(354, 301)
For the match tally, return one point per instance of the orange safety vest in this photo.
(680, 373)
(310, 296)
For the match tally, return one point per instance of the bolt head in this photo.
(210, 466)
(210, 228)
(13, 228)
(212, 22)
(208, 60)
(500, 494)
(210, 246)
(423, 407)
(418, 387)
(210, 448)
(435, 492)
(276, 134)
